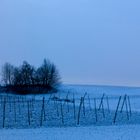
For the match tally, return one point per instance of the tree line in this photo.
(27, 75)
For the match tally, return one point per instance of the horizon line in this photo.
(107, 85)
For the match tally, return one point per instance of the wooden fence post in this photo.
(95, 108)
(28, 105)
(103, 110)
(15, 115)
(74, 107)
(62, 115)
(129, 105)
(57, 108)
(78, 122)
(83, 101)
(101, 102)
(89, 103)
(108, 107)
(124, 100)
(126, 109)
(4, 107)
(42, 111)
(117, 109)
(68, 103)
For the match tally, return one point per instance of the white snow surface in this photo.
(127, 132)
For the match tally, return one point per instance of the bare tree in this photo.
(48, 74)
(7, 74)
(17, 77)
(27, 73)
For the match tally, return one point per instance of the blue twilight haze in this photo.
(91, 41)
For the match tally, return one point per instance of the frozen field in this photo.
(127, 132)
(104, 129)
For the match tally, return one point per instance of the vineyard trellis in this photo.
(30, 111)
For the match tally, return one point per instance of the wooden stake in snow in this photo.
(83, 102)
(85, 95)
(4, 106)
(30, 104)
(67, 101)
(10, 102)
(103, 110)
(62, 115)
(101, 102)
(78, 122)
(89, 103)
(117, 109)
(74, 107)
(29, 119)
(19, 105)
(107, 100)
(54, 99)
(126, 109)
(129, 105)
(42, 111)
(124, 100)
(95, 108)
(15, 115)
(22, 101)
(57, 108)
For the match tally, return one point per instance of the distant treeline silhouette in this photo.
(26, 78)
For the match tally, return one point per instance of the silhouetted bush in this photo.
(26, 78)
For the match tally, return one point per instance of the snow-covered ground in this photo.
(127, 132)
(103, 130)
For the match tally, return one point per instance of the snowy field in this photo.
(104, 129)
(127, 132)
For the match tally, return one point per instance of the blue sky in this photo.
(90, 41)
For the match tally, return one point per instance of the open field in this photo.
(76, 112)
(126, 132)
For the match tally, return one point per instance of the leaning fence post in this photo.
(123, 103)
(129, 105)
(84, 112)
(101, 102)
(117, 109)
(126, 109)
(79, 110)
(107, 100)
(85, 95)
